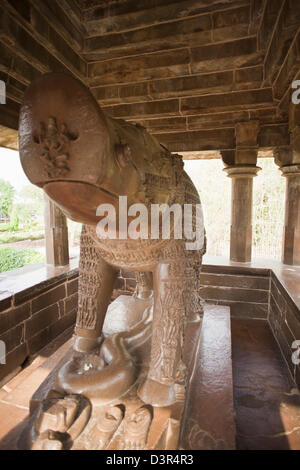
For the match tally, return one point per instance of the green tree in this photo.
(6, 198)
(30, 205)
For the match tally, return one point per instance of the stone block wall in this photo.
(125, 284)
(284, 320)
(245, 291)
(31, 319)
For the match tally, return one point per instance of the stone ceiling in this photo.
(188, 70)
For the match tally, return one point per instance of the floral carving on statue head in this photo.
(55, 141)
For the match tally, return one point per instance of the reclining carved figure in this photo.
(82, 158)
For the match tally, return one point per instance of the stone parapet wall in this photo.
(284, 320)
(246, 292)
(31, 319)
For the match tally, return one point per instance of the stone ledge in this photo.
(209, 417)
(19, 285)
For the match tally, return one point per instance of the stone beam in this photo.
(124, 16)
(257, 8)
(185, 32)
(42, 47)
(198, 140)
(199, 105)
(74, 13)
(289, 69)
(284, 33)
(203, 59)
(268, 22)
(16, 67)
(273, 135)
(240, 79)
(270, 135)
(52, 11)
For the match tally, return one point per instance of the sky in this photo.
(11, 169)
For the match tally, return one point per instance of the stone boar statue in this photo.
(83, 159)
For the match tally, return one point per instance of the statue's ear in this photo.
(123, 155)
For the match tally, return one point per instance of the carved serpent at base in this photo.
(82, 158)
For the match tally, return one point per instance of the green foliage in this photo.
(11, 258)
(12, 237)
(6, 198)
(4, 227)
(30, 206)
(14, 221)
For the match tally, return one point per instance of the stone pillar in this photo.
(56, 232)
(288, 159)
(291, 231)
(241, 211)
(240, 166)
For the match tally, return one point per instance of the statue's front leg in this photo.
(167, 334)
(96, 283)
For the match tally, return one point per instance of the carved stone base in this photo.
(126, 424)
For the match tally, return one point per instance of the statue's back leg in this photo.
(96, 283)
(167, 333)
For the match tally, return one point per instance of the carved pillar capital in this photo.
(290, 170)
(283, 155)
(242, 171)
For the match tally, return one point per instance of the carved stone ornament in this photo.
(54, 147)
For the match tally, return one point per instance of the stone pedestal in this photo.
(73, 421)
(241, 211)
(291, 233)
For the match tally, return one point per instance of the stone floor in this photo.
(266, 401)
